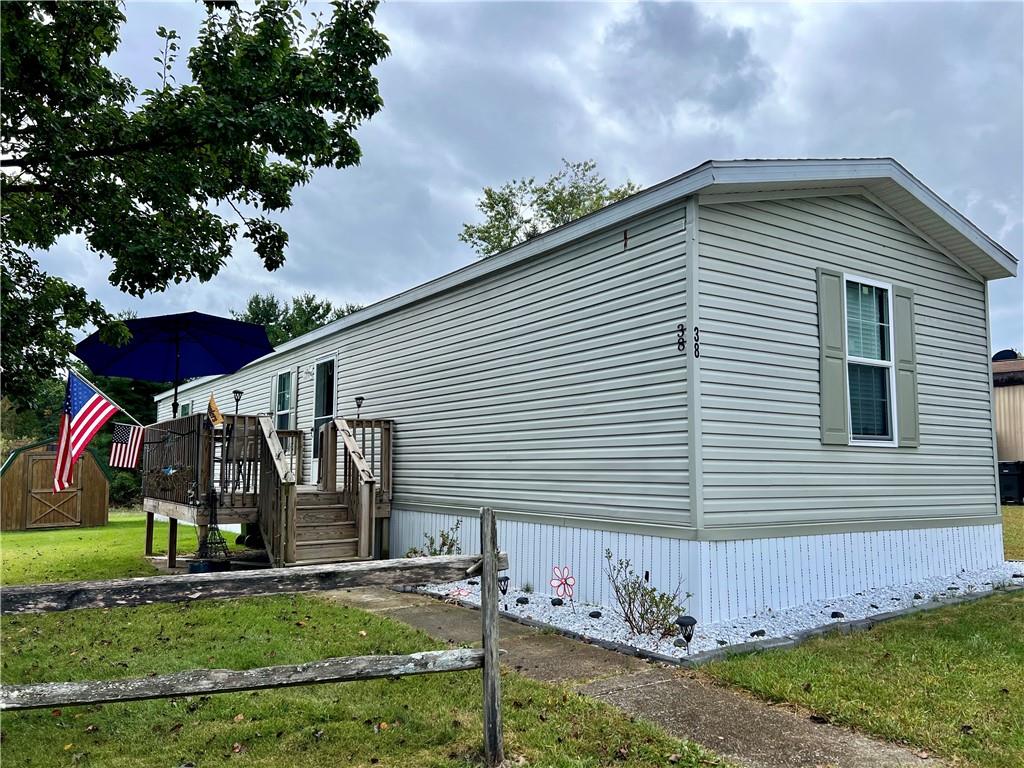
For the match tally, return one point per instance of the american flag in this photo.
(85, 413)
(124, 450)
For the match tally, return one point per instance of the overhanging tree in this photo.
(162, 181)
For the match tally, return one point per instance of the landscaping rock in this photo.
(679, 642)
(556, 601)
(758, 633)
(1018, 575)
(594, 614)
(522, 601)
(918, 596)
(722, 642)
(838, 615)
(472, 582)
(872, 605)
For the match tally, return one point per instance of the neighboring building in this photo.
(1008, 390)
(766, 380)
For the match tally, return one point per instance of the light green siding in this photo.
(764, 461)
(551, 389)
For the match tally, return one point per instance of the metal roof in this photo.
(884, 179)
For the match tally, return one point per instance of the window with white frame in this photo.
(869, 360)
(185, 409)
(283, 395)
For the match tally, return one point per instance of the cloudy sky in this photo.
(477, 94)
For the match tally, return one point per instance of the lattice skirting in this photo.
(728, 579)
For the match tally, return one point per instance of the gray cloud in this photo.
(478, 94)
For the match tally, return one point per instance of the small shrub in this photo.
(447, 543)
(528, 587)
(645, 609)
(125, 489)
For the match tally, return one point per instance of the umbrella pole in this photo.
(177, 374)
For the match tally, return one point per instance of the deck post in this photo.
(494, 746)
(149, 533)
(172, 544)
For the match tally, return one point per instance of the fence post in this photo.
(494, 746)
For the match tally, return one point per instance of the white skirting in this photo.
(728, 579)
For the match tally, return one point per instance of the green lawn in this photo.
(414, 721)
(1013, 532)
(71, 554)
(949, 680)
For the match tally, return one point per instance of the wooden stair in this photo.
(324, 532)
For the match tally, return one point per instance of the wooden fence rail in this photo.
(205, 681)
(119, 593)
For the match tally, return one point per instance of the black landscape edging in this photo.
(738, 649)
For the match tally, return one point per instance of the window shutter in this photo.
(835, 428)
(905, 359)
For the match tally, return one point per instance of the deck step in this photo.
(305, 498)
(327, 550)
(323, 513)
(317, 531)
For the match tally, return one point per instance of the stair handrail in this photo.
(276, 499)
(359, 486)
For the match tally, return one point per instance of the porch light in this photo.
(686, 625)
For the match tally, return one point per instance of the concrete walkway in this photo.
(684, 703)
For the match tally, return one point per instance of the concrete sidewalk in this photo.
(686, 704)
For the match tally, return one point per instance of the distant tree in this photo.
(145, 176)
(521, 209)
(285, 320)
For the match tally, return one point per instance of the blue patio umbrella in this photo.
(177, 347)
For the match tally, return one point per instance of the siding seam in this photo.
(693, 383)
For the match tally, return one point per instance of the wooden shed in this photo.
(27, 500)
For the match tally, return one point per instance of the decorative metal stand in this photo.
(213, 546)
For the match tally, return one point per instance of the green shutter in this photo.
(835, 428)
(905, 359)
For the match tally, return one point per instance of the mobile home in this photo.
(766, 381)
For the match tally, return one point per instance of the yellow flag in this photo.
(213, 412)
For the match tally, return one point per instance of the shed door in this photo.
(47, 509)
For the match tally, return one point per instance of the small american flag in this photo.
(85, 412)
(124, 450)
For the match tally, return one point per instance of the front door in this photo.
(47, 509)
(323, 400)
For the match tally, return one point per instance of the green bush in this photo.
(125, 489)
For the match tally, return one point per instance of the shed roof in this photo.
(884, 179)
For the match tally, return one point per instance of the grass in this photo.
(949, 681)
(1013, 532)
(413, 721)
(72, 554)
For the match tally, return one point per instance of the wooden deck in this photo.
(248, 471)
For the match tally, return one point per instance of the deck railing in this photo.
(276, 502)
(175, 460)
(358, 481)
(374, 439)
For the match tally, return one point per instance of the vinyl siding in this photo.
(553, 387)
(764, 464)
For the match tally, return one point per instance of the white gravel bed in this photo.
(609, 627)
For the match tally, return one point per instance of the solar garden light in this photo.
(359, 404)
(237, 394)
(686, 625)
(503, 584)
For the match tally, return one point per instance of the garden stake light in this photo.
(686, 625)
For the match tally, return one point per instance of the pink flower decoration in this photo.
(563, 581)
